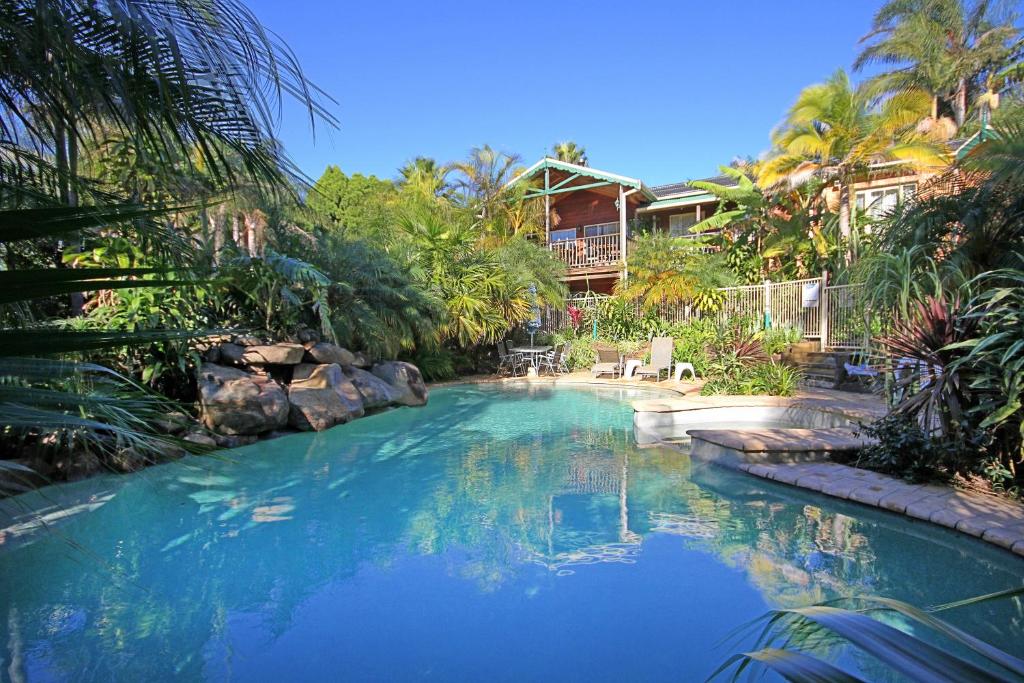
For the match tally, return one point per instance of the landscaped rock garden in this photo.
(249, 390)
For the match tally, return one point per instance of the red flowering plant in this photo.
(575, 318)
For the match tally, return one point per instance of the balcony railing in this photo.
(583, 252)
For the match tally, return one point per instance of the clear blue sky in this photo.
(664, 91)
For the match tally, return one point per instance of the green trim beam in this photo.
(541, 193)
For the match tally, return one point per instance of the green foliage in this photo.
(484, 288)
(903, 448)
(947, 48)
(364, 205)
(166, 365)
(374, 303)
(50, 407)
(798, 642)
(777, 339)
(727, 375)
(666, 270)
(276, 293)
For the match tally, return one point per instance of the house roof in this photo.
(684, 188)
(676, 195)
(576, 171)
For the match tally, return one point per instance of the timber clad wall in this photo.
(587, 208)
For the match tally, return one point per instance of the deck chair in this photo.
(609, 362)
(550, 360)
(509, 362)
(661, 359)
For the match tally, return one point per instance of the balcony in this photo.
(588, 252)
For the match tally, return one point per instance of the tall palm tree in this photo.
(833, 131)
(943, 47)
(426, 174)
(570, 152)
(484, 176)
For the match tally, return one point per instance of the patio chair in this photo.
(509, 362)
(609, 362)
(550, 360)
(557, 360)
(661, 359)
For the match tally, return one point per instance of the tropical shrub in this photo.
(666, 270)
(777, 339)
(902, 447)
(758, 379)
(693, 340)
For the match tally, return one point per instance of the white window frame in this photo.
(876, 207)
(685, 229)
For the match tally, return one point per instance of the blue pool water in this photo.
(497, 534)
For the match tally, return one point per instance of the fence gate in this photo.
(844, 327)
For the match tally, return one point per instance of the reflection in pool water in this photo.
(498, 533)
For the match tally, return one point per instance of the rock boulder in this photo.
(277, 354)
(376, 392)
(321, 396)
(405, 379)
(235, 402)
(325, 354)
(231, 354)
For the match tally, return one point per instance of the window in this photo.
(880, 201)
(679, 224)
(601, 229)
(563, 235)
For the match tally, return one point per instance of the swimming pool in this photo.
(499, 533)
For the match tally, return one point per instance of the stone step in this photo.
(802, 357)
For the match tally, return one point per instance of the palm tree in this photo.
(834, 132)
(484, 176)
(943, 47)
(570, 152)
(191, 84)
(424, 173)
(669, 270)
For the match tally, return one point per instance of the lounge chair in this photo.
(509, 362)
(609, 362)
(661, 359)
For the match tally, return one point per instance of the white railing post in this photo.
(767, 318)
(823, 311)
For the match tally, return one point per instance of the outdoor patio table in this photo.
(531, 352)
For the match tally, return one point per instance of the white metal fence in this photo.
(831, 314)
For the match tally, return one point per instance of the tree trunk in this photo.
(960, 102)
(219, 225)
(844, 219)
